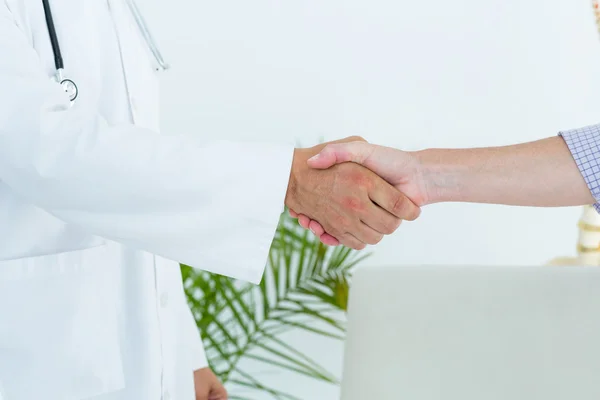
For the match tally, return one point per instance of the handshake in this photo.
(353, 193)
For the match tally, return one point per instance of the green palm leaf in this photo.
(305, 285)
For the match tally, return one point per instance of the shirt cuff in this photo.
(584, 144)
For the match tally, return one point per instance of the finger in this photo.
(380, 220)
(329, 240)
(393, 201)
(366, 234)
(332, 154)
(316, 228)
(293, 213)
(349, 240)
(313, 225)
(303, 220)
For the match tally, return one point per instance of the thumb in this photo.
(339, 153)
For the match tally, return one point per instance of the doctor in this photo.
(95, 205)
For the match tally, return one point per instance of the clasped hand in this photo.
(345, 203)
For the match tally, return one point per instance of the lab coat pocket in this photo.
(59, 335)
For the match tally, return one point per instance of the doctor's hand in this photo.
(399, 168)
(208, 386)
(351, 203)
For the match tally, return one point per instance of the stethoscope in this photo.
(68, 85)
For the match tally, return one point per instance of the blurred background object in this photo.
(588, 243)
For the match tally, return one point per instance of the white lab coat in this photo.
(89, 193)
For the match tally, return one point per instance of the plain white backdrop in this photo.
(402, 73)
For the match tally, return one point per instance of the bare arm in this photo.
(541, 173)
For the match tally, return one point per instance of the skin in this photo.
(540, 174)
(351, 202)
(208, 386)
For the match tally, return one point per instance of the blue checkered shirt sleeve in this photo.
(584, 144)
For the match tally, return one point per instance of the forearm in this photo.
(541, 173)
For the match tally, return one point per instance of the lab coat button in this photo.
(164, 299)
(166, 396)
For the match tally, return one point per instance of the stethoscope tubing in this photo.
(58, 60)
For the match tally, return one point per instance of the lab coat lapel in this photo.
(140, 76)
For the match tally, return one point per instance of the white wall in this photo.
(404, 73)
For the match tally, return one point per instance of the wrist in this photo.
(442, 174)
(298, 165)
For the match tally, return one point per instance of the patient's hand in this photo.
(399, 168)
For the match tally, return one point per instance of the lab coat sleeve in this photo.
(213, 206)
(193, 345)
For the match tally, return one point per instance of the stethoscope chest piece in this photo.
(70, 88)
(68, 85)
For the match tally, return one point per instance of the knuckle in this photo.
(360, 181)
(354, 203)
(368, 183)
(342, 222)
(355, 176)
(356, 138)
(399, 205)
